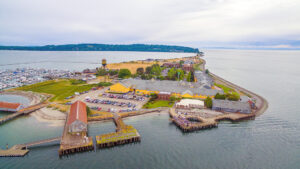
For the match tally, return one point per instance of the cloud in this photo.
(192, 22)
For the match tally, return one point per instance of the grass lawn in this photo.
(60, 89)
(158, 103)
(225, 88)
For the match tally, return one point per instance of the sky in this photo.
(196, 23)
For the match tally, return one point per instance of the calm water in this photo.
(270, 141)
(74, 60)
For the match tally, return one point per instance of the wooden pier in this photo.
(124, 134)
(21, 150)
(73, 143)
(24, 111)
(204, 123)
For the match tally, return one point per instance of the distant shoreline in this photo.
(106, 47)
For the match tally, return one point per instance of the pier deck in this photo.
(72, 143)
(124, 134)
(21, 150)
(24, 111)
(205, 123)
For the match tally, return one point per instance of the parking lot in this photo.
(101, 101)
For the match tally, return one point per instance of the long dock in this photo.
(24, 111)
(21, 150)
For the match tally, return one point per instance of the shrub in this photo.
(208, 102)
(124, 73)
(220, 96)
(101, 84)
(101, 72)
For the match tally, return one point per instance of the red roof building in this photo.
(11, 107)
(77, 119)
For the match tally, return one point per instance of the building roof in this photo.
(227, 104)
(77, 112)
(8, 105)
(168, 86)
(187, 102)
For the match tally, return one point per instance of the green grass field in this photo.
(225, 88)
(60, 89)
(158, 103)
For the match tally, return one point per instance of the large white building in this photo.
(190, 103)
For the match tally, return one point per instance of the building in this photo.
(231, 106)
(77, 119)
(190, 103)
(171, 65)
(189, 62)
(176, 88)
(89, 71)
(164, 95)
(187, 67)
(10, 107)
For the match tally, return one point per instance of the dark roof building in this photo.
(171, 65)
(231, 106)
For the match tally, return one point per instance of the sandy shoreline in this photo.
(48, 115)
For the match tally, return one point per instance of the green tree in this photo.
(101, 72)
(188, 78)
(124, 73)
(113, 72)
(88, 110)
(156, 70)
(179, 74)
(220, 96)
(233, 96)
(207, 71)
(192, 76)
(171, 74)
(172, 98)
(181, 63)
(140, 71)
(148, 69)
(208, 102)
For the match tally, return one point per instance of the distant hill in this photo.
(105, 47)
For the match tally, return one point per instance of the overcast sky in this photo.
(196, 23)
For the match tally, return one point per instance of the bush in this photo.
(88, 110)
(172, 98)
(101, 84)
(233, 96)
(208, 102)
(113, 72)
(140, 71)
(220, 96)
(207, 71)
(124, 73)
(153, 96)
(76, 82)
(101, 72)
